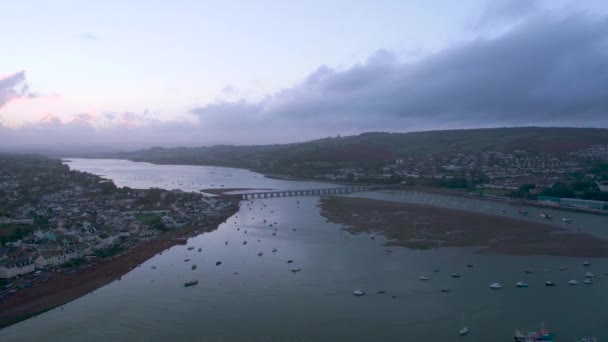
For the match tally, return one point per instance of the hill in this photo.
(373, 149)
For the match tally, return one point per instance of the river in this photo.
(257, 298)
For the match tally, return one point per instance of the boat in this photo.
(469, 265)
(529, 271)
(358, 293)
(425, 278)
(296, 269)
(186, 260)
(455, 275)
(561, 268)
(567, 220)
(218, 263)
(190, 248)
(274, 250)
(588, 339)
(546, 216)
(464, 330)
(521, 284)
(588, 281)
(260, 253)
(495, 286)
(445, 290)
(523, 211)
(200, 249)
(190, 283)
(436, 270)
(573, 282)
(549, 283)
(589, 275)
(586, 264)
(541, 335)
(193, 267)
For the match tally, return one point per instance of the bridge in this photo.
(310, 192)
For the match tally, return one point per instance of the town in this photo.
(53, 219)
(519, 174)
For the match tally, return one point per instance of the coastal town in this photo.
(54, 220)
(505, 173)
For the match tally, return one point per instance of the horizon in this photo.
(258, 74)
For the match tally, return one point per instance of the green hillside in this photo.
(372, 149)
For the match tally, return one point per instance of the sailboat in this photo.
(464, 330)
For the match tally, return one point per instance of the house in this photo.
(11, 268)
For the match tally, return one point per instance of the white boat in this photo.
(425, 278)
(588, 281)
(358, 293)
(546, 216)
(521, 284)
(567, 220)
(589, 275)
(464, 330)
(549, 283)
(296, 269)
(573, 282)
(495, 286)
(586, 264)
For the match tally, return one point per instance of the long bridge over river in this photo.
(308, 192)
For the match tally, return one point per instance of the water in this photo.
(267, 302)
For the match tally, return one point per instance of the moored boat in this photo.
(521, 284)
(358, 293)
(190, 283)
(495, 286)
(573, 282)
(425, 278)
(588, 281)
(541, 335)
(549, 283)
(589, 275)
(567, 220)
(546, 216)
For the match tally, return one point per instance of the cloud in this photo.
(13, 87)
(501, 12)
(550, 69)
(87, 36)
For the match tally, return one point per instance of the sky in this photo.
(123, 75)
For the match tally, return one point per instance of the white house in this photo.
(12, 268)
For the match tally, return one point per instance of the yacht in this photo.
(425, 278)
(549, 283)
(521, 284)
(573, 282)
(358, 293)
(588, 281)
(589, 275)
(546, 216)
(567, 220)
(495, 286)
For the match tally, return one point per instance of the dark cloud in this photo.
(549, 70)
(13, 87)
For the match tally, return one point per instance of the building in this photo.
(11, 268)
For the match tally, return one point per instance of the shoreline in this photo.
(62, 288)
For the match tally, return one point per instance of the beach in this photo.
(62, 288)
(422, 227)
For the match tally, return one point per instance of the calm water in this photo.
(264, 301)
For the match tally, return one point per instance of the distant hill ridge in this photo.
(374, 147)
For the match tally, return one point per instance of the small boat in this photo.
(573, 282)
(495, 286)
(567, 220)
(586, 264)
(588, 339)
(186, 260)
(588, 281)
(200, 249)
(274, 250)
(358, 293)
(436, 270)
(190, 283)
(523, 211)
(521, 284)
(425, 278)
(546, 216)
(464, 330)
(589, 275)
(218, 263)
(549, 283)
(529, 271)
(445, 290)
(260, 253)
(561, 268)
(540, 335)
(289, 261)
(455, 275)
(470, 265)
(244, 242)
(193, 267)
(296, 269)
(190, 248)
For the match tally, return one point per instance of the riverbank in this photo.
(63, 288)
(423, 227)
